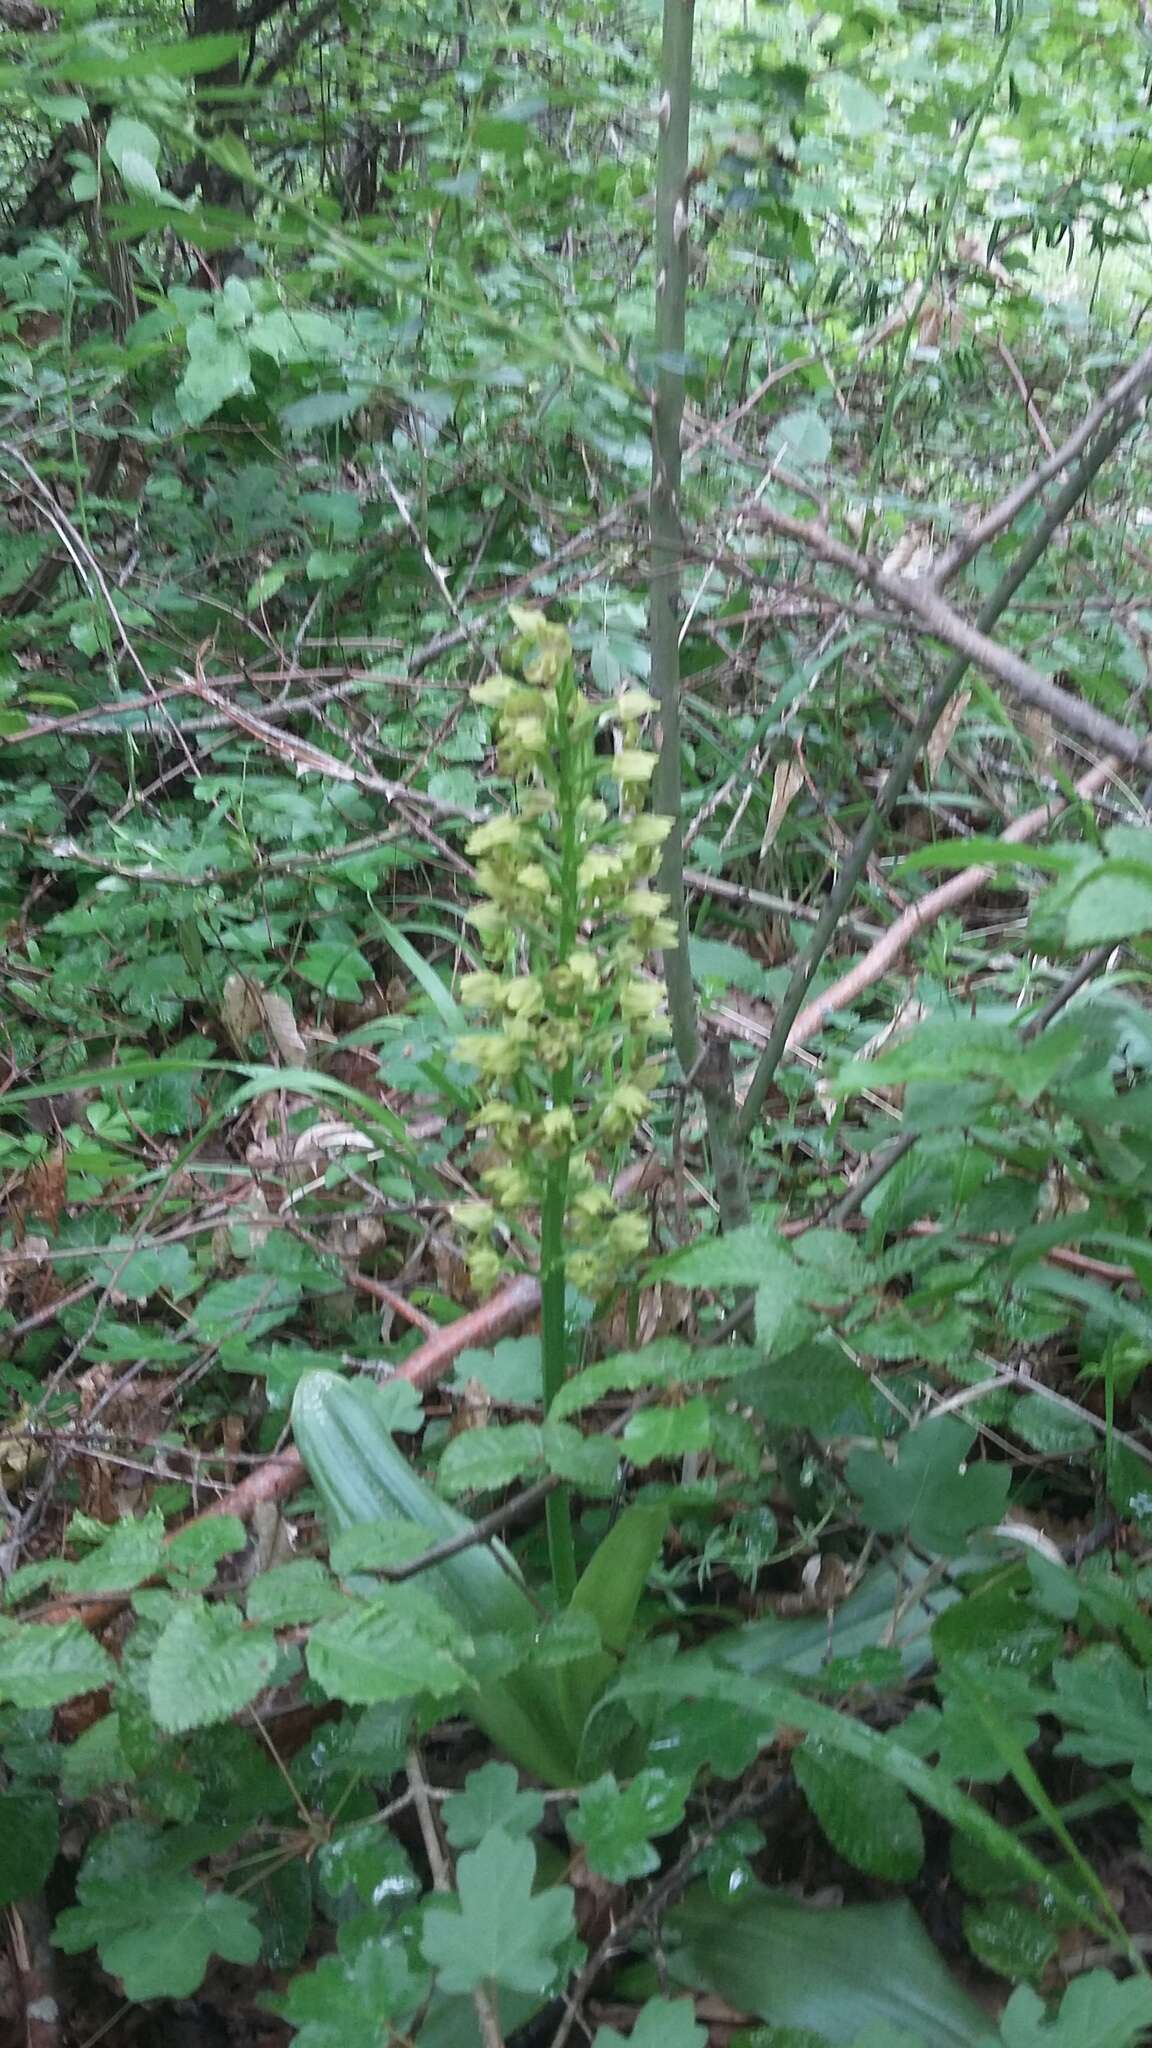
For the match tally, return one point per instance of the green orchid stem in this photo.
(554, 1348)
(554, 1210)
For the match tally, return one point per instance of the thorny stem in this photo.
(896, 780)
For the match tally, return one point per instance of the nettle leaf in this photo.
(206, 1666)
(590, 1462)
(1115, 902)
(666, 1363)
(616, 1825)
(156, 1928)
(42, 1665)
(367, 1994)
(195, 1551)
(868, 1819)
(499, 1931)
(131, 1553)
(735, 1260)
(1095, 2012)
(491, 1798)
(29, 1840)
(293, 1593)
(388, 1649)
(659, 1433)
(717, 961)
(928, 1492)
(1105, 1704)
(480, 1460)
(662, 2023)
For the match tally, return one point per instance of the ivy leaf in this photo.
(155, 1926)
(616, 1825)
(662, 2023)
(870, 1820)
(29, 1839)
(499, 1932)
(491, 1798)
(1095, 2012)
(366, 1995)
(206, 1666)
(927, 1492)
(388, 1649)
(42, 1666)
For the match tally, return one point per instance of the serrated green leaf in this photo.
(870, 1821)
(500, 1931)
(1095, 2012)
(43, 1665)
(480, 1460)
(156, 1928)
(662, 2023)
(292, 1593)
(491, 1798)
(928, 1491)
(616, 1824)
(206, 1666)
(388, 1649)
(131, 1552)
(362, 1998)
(658, 1433)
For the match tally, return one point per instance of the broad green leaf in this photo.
(836, 1971)
(206, 1666)
(219, 368)
(289, 1594)
(135, 151)
(490, 1798)
(42, 1665)
(388, 1649)
(140, 1273)
(511, 1372)
(131, 1552)
(863, 111)
(803, 439)
(1105, 1706)
(368, 1861)
(929, 1491)
(1013, 1939)
(1095, 2012)
(658, 1433)
(480, 1460)
(616, 1824)
(499, 1930)
(364, 1997)
(1113, 903)
(869, 1820)
(662, 2023)
(728, 966)
(29, 1839)
(156, 1927)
